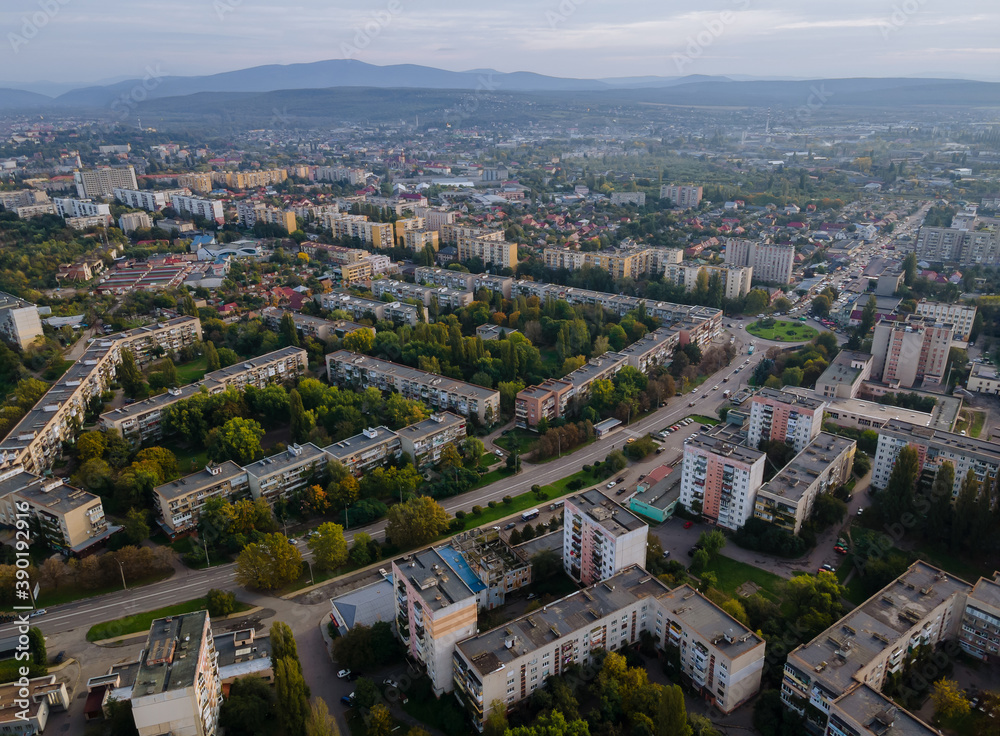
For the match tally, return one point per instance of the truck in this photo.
(726, 393)
(529, 515)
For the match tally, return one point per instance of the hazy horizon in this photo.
(67, 43)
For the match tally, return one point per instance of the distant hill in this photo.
(18, 99)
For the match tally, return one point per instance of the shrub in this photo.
(477, 510)
(220, 602)
(492, 504)
(459, 515)
(507, 500)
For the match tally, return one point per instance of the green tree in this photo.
(939, 507)
(671, 713)
(237, 440)
(90, 445)
(220, 603)
(360, 553)
(287, 332)
(129, 375)
(380, 722)
(292, 695)
(949, 700)
(415, 522)
(813, 602)
(712, 542)
(29, 391)
(966, 508)
(36, 646)
(359, 341)
(910, 269)
(328, 546)
(248, 708)
(366, 693)
(319, 722)
(552, 724)
(897, 498)
(282, 643)
(212, 357)
(699, 562)
(868, 315)
(272, 563)
(821, 305)
(301, 420)
(495, 723)
(136, 527)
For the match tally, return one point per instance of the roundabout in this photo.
(782, 331)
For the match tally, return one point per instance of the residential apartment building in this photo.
(352, 175)
(417, 240)
(961, 247)
(823, 466)
(500, 567)
(65, 518)
(464, 281)
(25, 707)
(489, 251)
(652, 350)
(132, 221)
(771, 263)
(83, 223)
(35, 210)
(922, 607)
(619, 199)
(177, 688)
(359, 308)
(934, 447)
(372, 448)
(453, 234)
(281, 475)
(101, 183)
(720, 480)
(445, 394)
(720, 658)
(11, 201)
(309, 326)
(984, 379)
(435, 218)
(379, 235)
(620, 264)
(37, 440)
(143, 420)
(960, 316)
(600, 538)
(785, 417)
(200, 183)
(550, 400)
(179, 502)
(436, 607)
(67, 207)
(141, 199)
(446, 298)
(911, 353)
(489, 331)
(979, 634)
(842, 379)
(249, 179)
(425, 441)
(250, 213)
(20, 324)
(685, 197)
(209, 209)
(735, 279)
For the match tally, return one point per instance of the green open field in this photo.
(783, 331)
(732, 574)
(193, 371)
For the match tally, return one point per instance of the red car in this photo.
(688, 524)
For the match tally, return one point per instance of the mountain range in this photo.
(349, 73)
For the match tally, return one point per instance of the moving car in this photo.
(511, 525)
(612, 484)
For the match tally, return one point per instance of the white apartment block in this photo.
(435, 609)
(35, 210)
(623, 198)
(446, 298)
(281, 475)
(425, 441)
(143, 420)
(177, 688)
(37, 440)
(82, 223)
(453, 233)
(962, 317)
(208, 208)
(435, 218)
(22, 198)
(102, 182)
(911, 353)
(359, 308)
(770, 263)
(375, 446)
(66, 207)
(785, 417)
(720, 658)
(600, 538)
(934, 447)
(179, 502)
(685, 197)
(720, 480)
(964, 247)
(735, 280)
(141, 199)
(131, 221)
(446, 394)
(353, 175)
(20, 324)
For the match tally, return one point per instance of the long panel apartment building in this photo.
(446, 394)
(371, 448)
(446, 297)
(550, 399)
(142, 199)
(425, 441)
(102, 182)
(379, 235)
(210, 209)
(463, 281)
(279, 476)
(36, 441)
(720, 480)
(309, 326)
(934, 448)
(771, 263)
(735, 280)
(179, 502)
(911, 353)
(785, 417)
(959, 246)
(143, 421)
(720, 658)
(600, 537)
(359, 308)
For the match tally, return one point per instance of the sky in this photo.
(89, 41)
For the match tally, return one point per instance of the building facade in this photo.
(770, 263)
(179, 502)
(210, 209)
(425, 441)
(685, 197)
(962, 317)
(600, 538)
(785, 417)
(281, 475)
(20, 324)
(720, 480)
(101, 183)
(911, 353)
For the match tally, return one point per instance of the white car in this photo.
(612, 484)
(498, 453)
(343, 673)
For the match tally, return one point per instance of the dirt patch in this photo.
(748, 589)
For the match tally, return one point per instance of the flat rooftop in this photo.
(202, 479)
(836, 655)
(724, 448)
(806, 467)
(406, 373)
(606, 512)
(989, 451)
(56, 496)
(810, 401)
(662, 492)
(985, 371)
(986, 591)
(880, 716)
(594, 368)
(368, 439)
(291, 457)
(431, 426)
(171, 657)
(366, 606)
(438, 583)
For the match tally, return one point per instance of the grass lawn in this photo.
(978, 420)
(492, 477)
(189, 460)
(526, 500)
(526, 440)
(783, 331)
(193, 371)
(141, 621)
(732, 574)
(703, 419)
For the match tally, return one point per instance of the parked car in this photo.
(511, 525)
(390, 683)
(382, 572)
(347, 700)
(343, 673)
(688, 524)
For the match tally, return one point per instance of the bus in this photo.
(750, 350)
(529, 515)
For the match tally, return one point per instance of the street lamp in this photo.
(311, 579)
(121, 567)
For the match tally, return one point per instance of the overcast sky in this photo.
(91, 40)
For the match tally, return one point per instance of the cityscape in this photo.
(522, 371)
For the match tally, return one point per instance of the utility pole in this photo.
(121, 567)
(205, 542)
